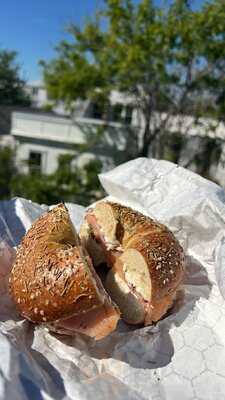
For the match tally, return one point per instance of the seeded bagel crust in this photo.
(51, 278)
(142, 253)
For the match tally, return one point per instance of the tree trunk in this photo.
(147, 137)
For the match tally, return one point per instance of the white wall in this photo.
(42, 127)
(7, 140)
(52, 136)
(49, 155)
(40, 99)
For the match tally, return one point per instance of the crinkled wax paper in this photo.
(181, 357)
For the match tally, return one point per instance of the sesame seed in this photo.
(42, 312)
(158, 266)
(44, 319)
(36, 310)
(19, 300)
(171, 271)
(46, 302)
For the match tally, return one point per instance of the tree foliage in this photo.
(11, 84)
(69, 183)
(81, 185)
(170, 61)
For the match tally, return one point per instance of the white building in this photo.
(121, 104)
(41, 138)
(38, 94)
(40, 100)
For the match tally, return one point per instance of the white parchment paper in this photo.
(181, 357)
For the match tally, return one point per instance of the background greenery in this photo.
(169, 60)
(69, 183)
(11, 85)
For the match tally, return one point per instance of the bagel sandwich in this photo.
(144, 259)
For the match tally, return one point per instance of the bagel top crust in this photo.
(51, 277)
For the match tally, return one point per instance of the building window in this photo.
(34, 91)
(117, 112)
(97, 111)
(128, 115)
(35, 161)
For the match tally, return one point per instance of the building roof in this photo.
(37, 83)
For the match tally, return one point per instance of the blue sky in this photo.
(34, 27)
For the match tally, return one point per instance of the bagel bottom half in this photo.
(145, 260)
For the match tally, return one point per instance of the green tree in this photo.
(36, 187)
(169, 60)
(11, 84)
(69, 183)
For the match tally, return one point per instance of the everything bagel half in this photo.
(145, 260)
(53, 281)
